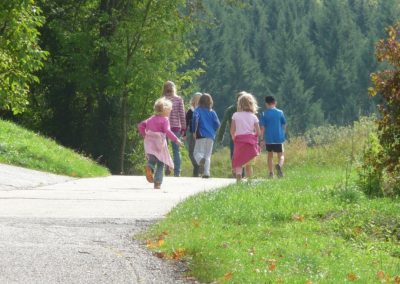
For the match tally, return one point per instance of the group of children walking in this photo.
(199, 127)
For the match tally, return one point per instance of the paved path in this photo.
(55, 229)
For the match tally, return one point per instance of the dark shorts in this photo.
(277, 148)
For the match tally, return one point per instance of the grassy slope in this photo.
(23, 148)
(307, 227)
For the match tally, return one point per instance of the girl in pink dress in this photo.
(245, 130)
(155, 130)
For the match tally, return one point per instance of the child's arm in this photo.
(262, 131)
(182, 117)
(142, 128)
(233, 129)
(171, 136)
(216, 122)
(257, 129)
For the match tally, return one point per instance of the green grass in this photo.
(24, 148)
(309, 227)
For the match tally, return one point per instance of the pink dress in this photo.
(245, 142)
(155, 130)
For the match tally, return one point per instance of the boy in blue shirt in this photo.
(273, 128)
(205, 124)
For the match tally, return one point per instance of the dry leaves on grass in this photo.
(298, 217)
(178, 254)
(352, 276)
(272, 264)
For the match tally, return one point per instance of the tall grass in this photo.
(24, 148)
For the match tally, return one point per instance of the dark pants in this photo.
(192, 142)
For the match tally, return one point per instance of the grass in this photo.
(24, 148)
(313, 226)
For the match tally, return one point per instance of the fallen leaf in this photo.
(159, 254)
(298, 217)
(271, 264)
(380, 275)
(196, 223)
(397, 279)
(228, 276)
(352, 276)
(308, 282)
(178, 254)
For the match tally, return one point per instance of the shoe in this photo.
(271, 175)
(279, 171)
(201, 166)
(149, 174)
(167, 171)
(157, 185)
(205, 176)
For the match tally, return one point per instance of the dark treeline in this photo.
(315, 56)
(106, 61)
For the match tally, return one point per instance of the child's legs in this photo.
(238, 170)
(192, 143)
(208, 147)
(198, 151)
(281, 158)
(177, 156)
(270, 156)
(249, 170)
(152, 161)
(159, 173)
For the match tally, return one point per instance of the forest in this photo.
(86, 72)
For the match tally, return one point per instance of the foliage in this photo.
(20, 55)
(384, 163)
(108, 61)
(305, 228)
(314, 56)
(24, 148)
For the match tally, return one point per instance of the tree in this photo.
(387, 85)
(20, 55)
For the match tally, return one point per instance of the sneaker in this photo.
(201, 166)
(279, 170)
(271, 175)
(157, 185)
(205, 176)
(149, 174)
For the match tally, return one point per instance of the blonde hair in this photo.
(161, 106)
(247, 102)
(169, 87)
(194, 101)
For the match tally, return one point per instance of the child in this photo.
(194, 101)
(245, 131)
(273, 128)
(205, 123)
(155, 130)
(177, 121)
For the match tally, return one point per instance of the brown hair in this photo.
(162, 105)
(169, 89)
(206, 101)
(247, 102)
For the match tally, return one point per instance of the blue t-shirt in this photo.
(205, 123)
(273, 121)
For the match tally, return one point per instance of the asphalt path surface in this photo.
(56, 229)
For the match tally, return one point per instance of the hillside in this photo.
(24, 148)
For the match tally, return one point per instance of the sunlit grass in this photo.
(313, 226)
(21, 147)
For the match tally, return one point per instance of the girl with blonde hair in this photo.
(155, 130)
(245, 130)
